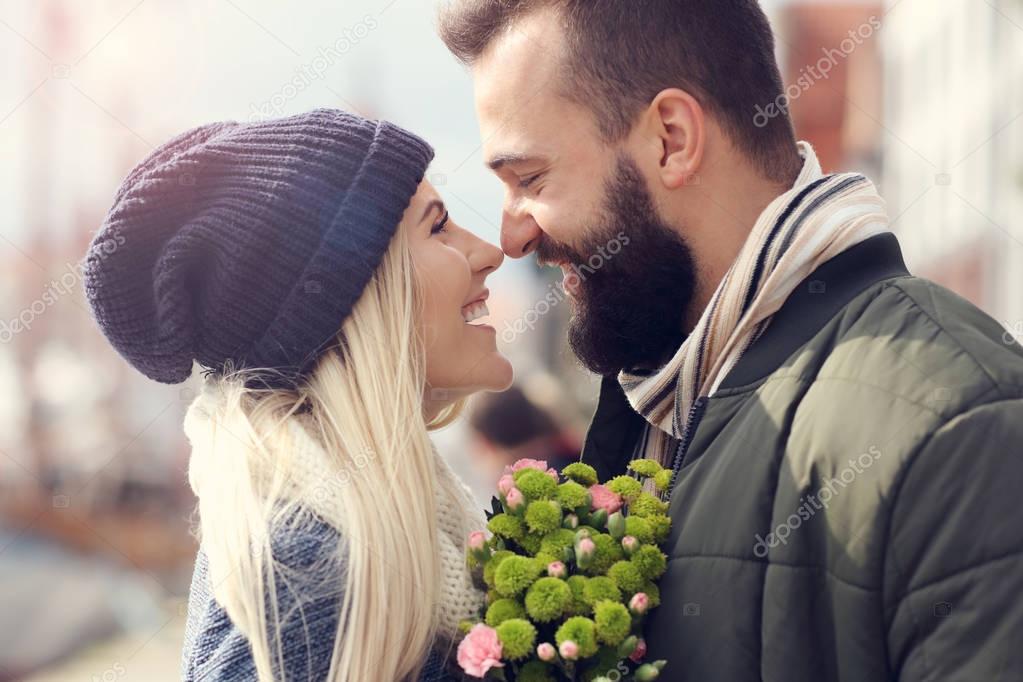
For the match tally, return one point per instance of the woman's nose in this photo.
(484, 256)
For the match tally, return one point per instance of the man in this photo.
(846, 436)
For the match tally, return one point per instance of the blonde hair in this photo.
(365, 396)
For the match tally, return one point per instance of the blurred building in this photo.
(952, 153)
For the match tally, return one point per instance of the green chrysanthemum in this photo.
(502, 610)
(582, 474)
(491, 566)
(571, 495)
(646, 505)
(601, 588)
(628, 487)
(547, 599)
(578, 607)
(534, 484)
(517, 637)
(601, 666)
(545, 557)
(580, 630)
(608, 551)
(645, 467)
(627, 576)
(535, 671)
(507, 526)
(531, 543)
(639, 528)
(662, 480)
(661, 526)
(650, 562)
(554, 543)
(613, 622)
(543, 516)
(515, 574)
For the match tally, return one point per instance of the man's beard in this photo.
(631, 308)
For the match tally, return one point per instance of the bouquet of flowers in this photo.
(569, 569)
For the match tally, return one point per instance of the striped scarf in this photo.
(819, 218)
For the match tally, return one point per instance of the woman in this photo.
(306, 265)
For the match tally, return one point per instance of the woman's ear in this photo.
(675, 125)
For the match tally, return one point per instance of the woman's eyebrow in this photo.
(435, 204)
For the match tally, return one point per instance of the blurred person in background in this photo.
(510, 426)
(844, 435)
(306, 265)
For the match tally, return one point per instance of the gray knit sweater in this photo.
(214, 649)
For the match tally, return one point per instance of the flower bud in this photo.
(557, 569)
(571, 521)
(616, 525)
(514, 501)
(628, 647)
(649, 671)
(598, 519)
(478, 548)
(545, 652)
(584, 551)
(639, 604)
(582, 533)
(630, 544)
(569, 650)
(505, 484)
(639, 652)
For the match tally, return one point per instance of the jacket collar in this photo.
(616, 427)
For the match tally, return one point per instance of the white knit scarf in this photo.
(819, 218)
(459, 599)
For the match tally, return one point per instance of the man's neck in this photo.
(729, 212)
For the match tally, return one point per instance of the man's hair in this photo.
(621, 53)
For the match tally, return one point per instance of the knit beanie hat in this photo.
(249, 242)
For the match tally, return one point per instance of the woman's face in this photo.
(452, 265)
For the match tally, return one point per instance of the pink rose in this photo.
(546, 652)
(480, 651)
(526, 463)
(569, 650)
(602, 498)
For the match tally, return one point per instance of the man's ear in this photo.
(676, 124)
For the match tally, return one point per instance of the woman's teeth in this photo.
(471, 313)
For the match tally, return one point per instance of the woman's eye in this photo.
(441, 224)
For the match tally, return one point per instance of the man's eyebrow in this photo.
(435, 204)
(502, 160)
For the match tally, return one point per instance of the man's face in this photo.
(579, 202)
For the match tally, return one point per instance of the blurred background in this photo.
(924, 96)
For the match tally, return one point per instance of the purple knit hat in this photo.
(249, 242)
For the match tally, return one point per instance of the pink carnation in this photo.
(602, 498)
(480, 651)
(526, 463)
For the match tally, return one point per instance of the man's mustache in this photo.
(551, 251)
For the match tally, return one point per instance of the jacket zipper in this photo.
(696, 411)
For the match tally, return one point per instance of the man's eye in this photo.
(527, 181)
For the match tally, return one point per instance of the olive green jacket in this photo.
(847, 506)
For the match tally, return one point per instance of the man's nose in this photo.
(520, 235)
